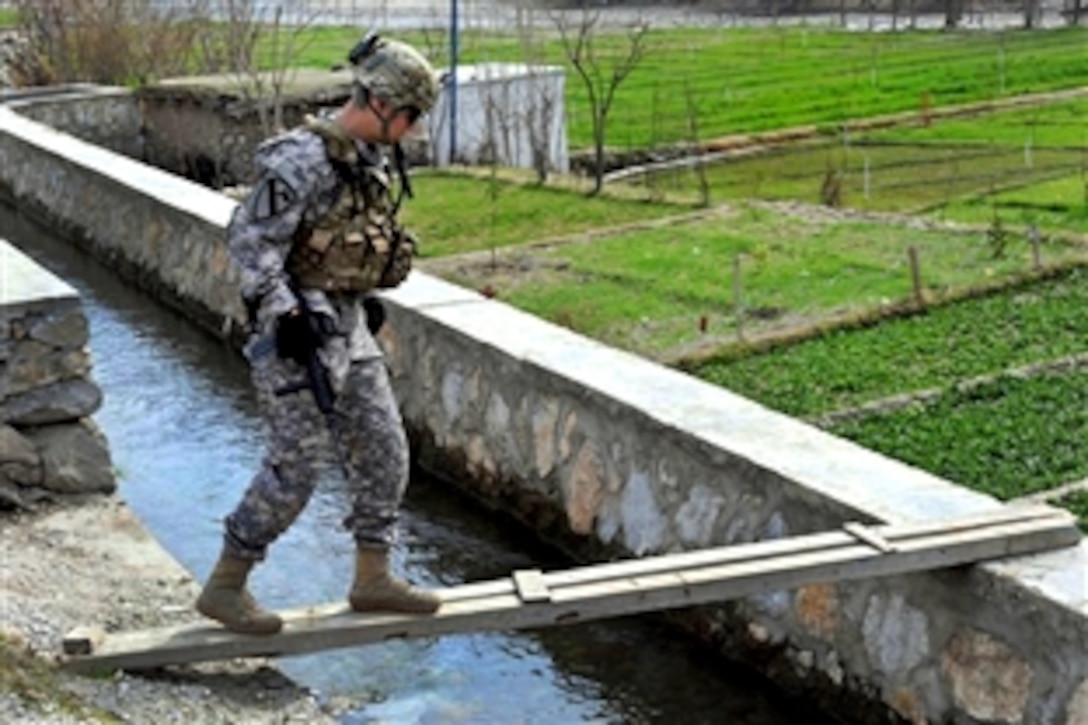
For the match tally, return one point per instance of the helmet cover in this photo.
(395, 72)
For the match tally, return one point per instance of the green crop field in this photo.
(1009, 437)
(1042, 320)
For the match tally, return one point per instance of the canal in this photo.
(185, 437)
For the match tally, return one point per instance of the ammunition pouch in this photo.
(358, 245)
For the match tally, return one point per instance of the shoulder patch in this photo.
(271, 196)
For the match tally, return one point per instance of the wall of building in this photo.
(611, 454)
(510, 114)
(49, 443)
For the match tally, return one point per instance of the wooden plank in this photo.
(531, 586)
(838, 564)
(779, 547)
(860, 532)
(83, 640)
(602, 591)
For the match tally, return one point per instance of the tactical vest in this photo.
(358, 245)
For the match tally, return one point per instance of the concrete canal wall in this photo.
(614, 455)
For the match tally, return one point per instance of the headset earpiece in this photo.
(364, 47)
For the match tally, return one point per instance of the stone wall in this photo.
(48, 442)
(613, 455)
(161, 232)
(207, 128)
(104, 116)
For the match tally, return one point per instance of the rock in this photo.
(61, 402)
(19, 460)
(75, 458)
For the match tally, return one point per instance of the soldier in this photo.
(318, 232)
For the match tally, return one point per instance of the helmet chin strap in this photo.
(402, 172)
(386, 120)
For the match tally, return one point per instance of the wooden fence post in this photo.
(916, 275)
(738, 299)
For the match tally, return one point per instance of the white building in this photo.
(506, 113)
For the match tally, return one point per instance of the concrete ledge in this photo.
(866, 482)
(163, 232)
(25, 285)
(617, 456)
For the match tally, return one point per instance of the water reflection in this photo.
(184, 434)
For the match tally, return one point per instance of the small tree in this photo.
(698, 166)
(1032, 13)
(120, 42)
(953, 13)
(1075, 11)
(543, 101)
(260, 47)
(600, 73)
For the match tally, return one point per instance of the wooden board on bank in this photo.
(530, 599)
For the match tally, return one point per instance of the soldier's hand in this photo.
(298, 336)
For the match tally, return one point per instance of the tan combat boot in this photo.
(376, 590)
(226, 600)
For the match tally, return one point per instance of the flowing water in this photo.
(185, 437)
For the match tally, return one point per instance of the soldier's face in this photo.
(403, 120)
(396, 121)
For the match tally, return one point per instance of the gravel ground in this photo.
(92, 563)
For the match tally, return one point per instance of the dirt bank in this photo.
(91, 563)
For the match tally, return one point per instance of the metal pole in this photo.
(454, 38)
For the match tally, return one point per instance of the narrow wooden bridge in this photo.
(531, 598)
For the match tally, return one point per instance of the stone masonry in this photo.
(48, 442)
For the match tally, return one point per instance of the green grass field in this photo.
(657, 291)
(898, 178)
(1008, 438)
(661, 290)
(457, 214)
(1022, 165)
(745, 80)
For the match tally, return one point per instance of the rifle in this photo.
(317, 376)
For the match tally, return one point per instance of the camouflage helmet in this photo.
(395, 72)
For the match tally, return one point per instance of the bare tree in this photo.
(698, 166)
(543, 99)
(601, 73)
(122, 42)
(542, 119)
(261, 43)
(953, 13)
(1075, 11)
(1032, 13)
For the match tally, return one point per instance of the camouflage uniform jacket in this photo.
(297, 185)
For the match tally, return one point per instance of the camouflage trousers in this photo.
(369, 445)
